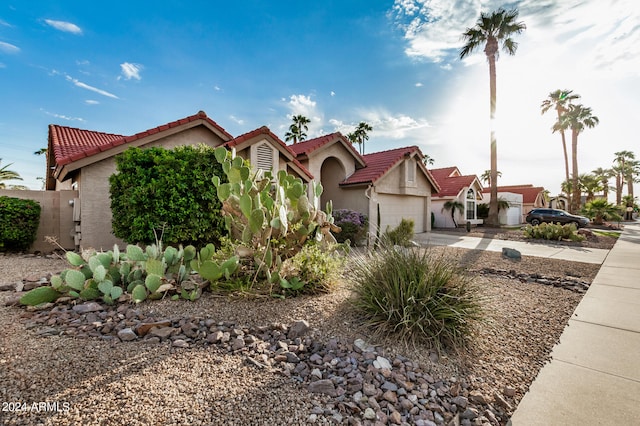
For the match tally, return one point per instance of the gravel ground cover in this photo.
(262, 373)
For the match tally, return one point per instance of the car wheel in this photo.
(535, 222)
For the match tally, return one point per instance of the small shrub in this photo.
(416, 294)
(353, 224)
(318, 269)
(19, 220)
(400, 235)
(553, 232)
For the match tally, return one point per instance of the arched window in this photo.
(471, 204)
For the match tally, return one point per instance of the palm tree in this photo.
(622, 158)
(589, 184)
(486, 176)
(360, 135)
(6, 174)
(41, 151)
(632, 170)
(576, 118)
(600, 210)
(428, 160)
(453, 206)
(559, 100)
(490, 30)
(297, 130)
(603, 176)
(628, 201)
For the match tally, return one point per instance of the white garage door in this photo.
(514, 215)
(393, 208)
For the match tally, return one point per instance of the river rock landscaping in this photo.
(235, 359)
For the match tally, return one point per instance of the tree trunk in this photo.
(618, 189)
(564, 151)
(492, 219)
(575, 198)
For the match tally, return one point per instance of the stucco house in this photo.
(83, 160)
(465, 189)
(513, 214)
(532, 197)
(396, 180)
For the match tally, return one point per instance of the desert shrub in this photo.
(353, 224)
(400, 235)
(416, 294)
(19, 220)
(168, 190)
(318, 269)
(553, 231)
(600, 210)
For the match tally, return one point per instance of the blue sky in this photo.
(123, 67)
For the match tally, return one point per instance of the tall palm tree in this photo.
(486, 176)
(453, 206)
(6, 174)
(576, 118)
(603, 176)
(491, 30)
(632, 170)
(622, 158)
(297, 130)
(559, 100)
(360, 135)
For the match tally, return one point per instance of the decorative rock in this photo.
(88, 307)
(324, 386)
(510, 253)
(161, 332)
(502, 402)
(460, 401)
(382, 363)
(369, 414)
(127, 335)
(179, 343)
(509, 391)
(144, 328)
(298, 329)
(477, 397)
(237, 343)
(390, 397)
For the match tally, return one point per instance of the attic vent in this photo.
(411, 171)
(264, 157)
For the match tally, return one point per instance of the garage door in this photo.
(393, 208)
(514, 215)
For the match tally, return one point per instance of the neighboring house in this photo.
(512, 215)
(532, 197)
(396, 180)
(465, 189)
(559, 202)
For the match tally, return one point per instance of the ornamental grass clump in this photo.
(417, 295)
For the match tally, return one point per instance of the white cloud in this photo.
(217, 88)
(8, 48)
(91, 102)
(237, 120)
(67, 27)
(130, 71)
(419, 85)
(62, 117)
(301, 104)
(91, 88)
(333, 93)
(385, 125)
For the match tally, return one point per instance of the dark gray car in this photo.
(537, 216)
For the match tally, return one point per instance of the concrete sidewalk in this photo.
(594, 375)
(550, 250)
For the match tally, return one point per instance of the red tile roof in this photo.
(308, 146)
(451, 186)
(528, 191)
(442, 173)
(71, 144)
(378, 163)
(265, 131)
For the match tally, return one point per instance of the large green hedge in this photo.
(169, 191)
(19, 220)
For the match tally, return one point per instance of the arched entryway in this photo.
(332, 172)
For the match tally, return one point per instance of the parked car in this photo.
(537, 216)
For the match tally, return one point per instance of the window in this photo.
(471, 204)
(411, 171)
